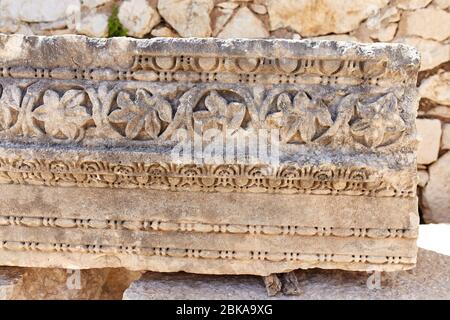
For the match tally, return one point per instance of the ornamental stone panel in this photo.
(105, 149)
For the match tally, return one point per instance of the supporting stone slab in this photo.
(429, 280)
(203, 232)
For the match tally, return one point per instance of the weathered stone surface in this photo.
(64, 284)
(94, 25)
(429, 280)
(381, 26)
(411, 4)
(94, 3)
(138, 17)
(445, 142)
(308, 17)
(422, 177)
(436, 194)
(91, 176)
(429, 131)
(432, 53)
(441, 112)
(428, 23)
(10, 282)
(442, 4)
(244, 24)
(437, 88)
(37, 10)
(190, 18)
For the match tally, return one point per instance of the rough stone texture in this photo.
(423, 178)
(432, 53)
(244, 24)
(435, 195)
(190, 18)
(88, 132)
(63, 284)
(11, 280)
(445, 143)
(429, 280)
(429, 23)
(36, 10)
(308, 17)
(429, 132)
(437, 88)
(411, 4)
(94, 25)
(138, 17)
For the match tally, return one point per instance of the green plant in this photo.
(115, 27)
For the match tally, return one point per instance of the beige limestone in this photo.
(37, 10)
(381, 26)
(435, 194)
(423, 178)
(429, 132)
(94, 25)
(432, 53)
(190, 18)
(442, 4)
(437, 88)
(11, 280)
(313, 18)
(428, 23)
(244, 24)
(163, 32)
(64, 284)
(429, 280)
(445, 142)
(441, 112)
(138, 17)
(89, 179)
(411, 4)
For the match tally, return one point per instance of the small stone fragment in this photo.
(428, 23)
(445, 142)
(138, 17)
(244, 24)
(273, 284)
(190, 18)
(95, 25)
(436, 194)
(437, 88)
(422, 177)
(290, 284)
(313, 18)
(429, 132)
(432, 53)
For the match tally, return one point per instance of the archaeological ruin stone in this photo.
(90, 131)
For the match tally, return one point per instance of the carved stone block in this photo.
(91, 131)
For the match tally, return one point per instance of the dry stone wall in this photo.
(424, 24)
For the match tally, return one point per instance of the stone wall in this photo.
(424, 24)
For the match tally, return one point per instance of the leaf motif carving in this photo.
(376, 119)
(303, 115)
(220, 114)
(144, 113)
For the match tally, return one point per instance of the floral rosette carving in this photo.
(220, 114)
(144, 114)
(302, 115)
(377, 120)
(64, 117)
